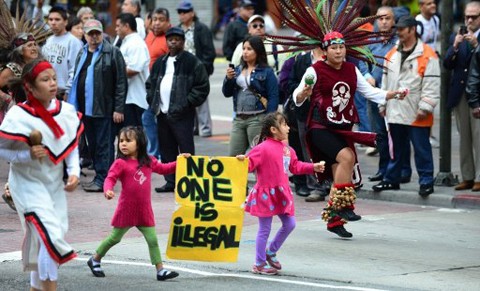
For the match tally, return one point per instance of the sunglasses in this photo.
(472, 17)
(255, 26)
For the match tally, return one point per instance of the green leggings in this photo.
(116, 236)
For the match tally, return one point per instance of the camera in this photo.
(463, 30)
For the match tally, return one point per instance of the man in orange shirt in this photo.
(157, 46)
(155, 40)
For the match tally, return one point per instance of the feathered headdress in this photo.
(316, 19)
(11, 27)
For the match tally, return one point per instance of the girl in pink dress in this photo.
(133, 168)
(272, 159)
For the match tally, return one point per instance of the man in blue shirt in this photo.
(373, 75)
(99, 91)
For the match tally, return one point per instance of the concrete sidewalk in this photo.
(443, 196)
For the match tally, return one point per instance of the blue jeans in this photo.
(378, 126)
(377, 123)
(402, 135)
(149, 121)
(361, 105)
(100, 137)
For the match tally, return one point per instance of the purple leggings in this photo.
(288, 224)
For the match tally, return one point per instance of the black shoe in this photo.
(167, 275)
(377, 177)
(302, 191)
(349, 215)
(357, 186)
(405, 180)
(425, 190)
(340, 231)
(96, 270)
(165, 188)
(385, 186)
(92, 188)
(85, 163)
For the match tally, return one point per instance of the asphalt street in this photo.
(415, 245)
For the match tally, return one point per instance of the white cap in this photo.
(255, 17)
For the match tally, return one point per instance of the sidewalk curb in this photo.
(470, 201)
(408, 197)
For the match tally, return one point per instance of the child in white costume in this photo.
(36, 171)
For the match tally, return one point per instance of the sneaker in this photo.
(371, 151)
(273, 261)
(264, 269)
(315, 196)
(340, 231)
(165, 274)
(96, 269)
(425, 190)
(434, 142)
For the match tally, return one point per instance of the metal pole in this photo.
(445, 176)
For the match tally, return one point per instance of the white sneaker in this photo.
(371, 151)
(434, 142)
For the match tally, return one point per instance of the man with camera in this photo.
(462, 49)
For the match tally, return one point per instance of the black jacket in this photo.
(204, 47)
(190, 85)
(458, 62)
(302, 62)
(234, 34)
(110, 81)
(473, 81)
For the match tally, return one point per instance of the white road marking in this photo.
(452, 210)
(260, 278)
(17, 256)
(222, 118)
(12, 256)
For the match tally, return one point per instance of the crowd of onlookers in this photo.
(148, 85)
(142, 77)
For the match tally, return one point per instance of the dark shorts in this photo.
(327, 143)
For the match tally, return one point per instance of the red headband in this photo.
(40, 67)
(333, 37)
(39, 109)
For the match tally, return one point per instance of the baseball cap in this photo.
(185, 6)
(246, 3)
(92, 24)
(255, 17)
(406, 21)
(175, 31)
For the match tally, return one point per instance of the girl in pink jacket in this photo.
(134, 169)
(272, 159)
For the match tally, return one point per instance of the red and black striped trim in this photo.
(32, 218)
(54, 158)
(29, 109)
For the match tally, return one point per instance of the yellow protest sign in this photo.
(207, 226)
